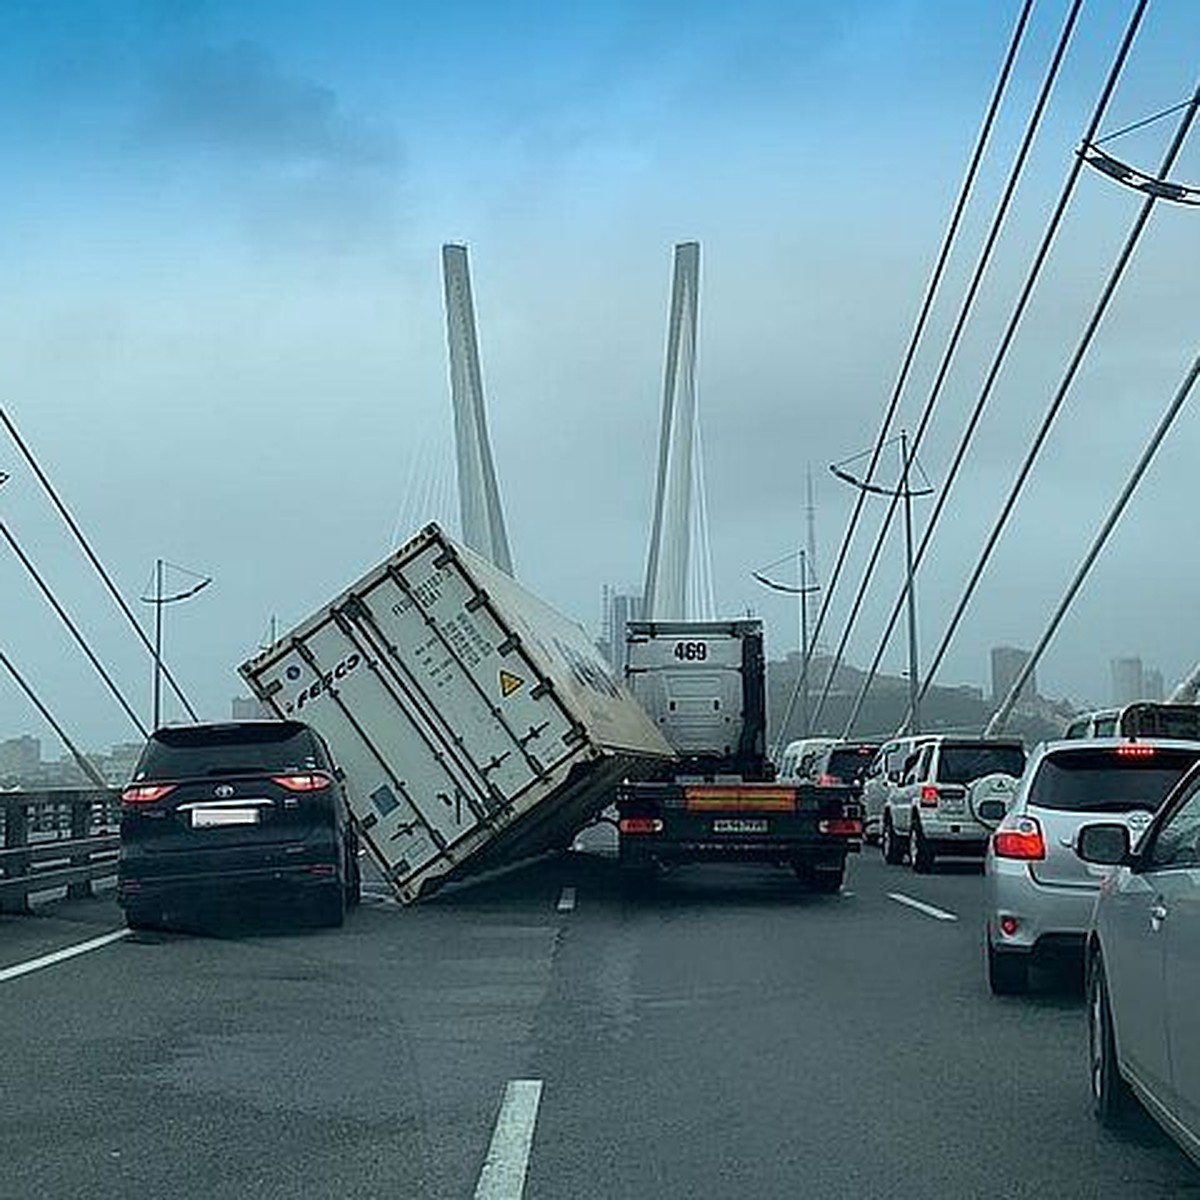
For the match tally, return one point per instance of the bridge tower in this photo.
(480, 511)
(679, 585)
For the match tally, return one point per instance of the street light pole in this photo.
(158, 599)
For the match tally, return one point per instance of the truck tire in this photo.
(142, 918)
(890, 844)
(920, 851)
(1008, 974)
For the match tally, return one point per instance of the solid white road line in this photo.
(939, 914)
(566, 902)
(503, 1174)
(48, 960)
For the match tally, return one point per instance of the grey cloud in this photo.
(237, 100)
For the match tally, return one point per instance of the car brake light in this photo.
(841, 827)
(146, 793)
(640, 825)
(314, 781)
(828, 780)
(929, 795)
(1135, 751)
(1024, 840)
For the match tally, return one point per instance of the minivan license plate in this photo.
(206, 818)
(739, 826)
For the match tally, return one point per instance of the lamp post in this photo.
(802, 590)
(159, 599)
(905, 493)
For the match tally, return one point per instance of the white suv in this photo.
(954, 792)
(883, 777)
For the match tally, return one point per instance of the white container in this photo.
(475, 725)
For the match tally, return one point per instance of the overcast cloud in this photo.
(224, 335)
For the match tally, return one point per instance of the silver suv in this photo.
(953, 793)
(883, 777)
(1038, 894)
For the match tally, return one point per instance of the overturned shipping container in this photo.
(476, 726)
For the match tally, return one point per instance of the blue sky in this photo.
(224, 334)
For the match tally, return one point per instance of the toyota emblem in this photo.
(224, 791)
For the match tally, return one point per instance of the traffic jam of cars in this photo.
(1091, 859)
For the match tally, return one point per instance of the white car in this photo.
(883, 777)
(1143, 961)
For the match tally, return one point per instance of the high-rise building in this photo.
(619, 609)
(20, 757)
(1152, 684)
(1128, 681)
(1007, 664)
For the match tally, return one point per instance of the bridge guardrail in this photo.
(55, 838)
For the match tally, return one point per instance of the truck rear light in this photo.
(841, 827)
(640, 825)
(146, 793)
(322, 869)
(929, 796)
(1023, 841)
(313, 781)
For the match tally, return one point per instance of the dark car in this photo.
(233, 812)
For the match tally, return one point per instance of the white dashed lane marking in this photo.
(938, 914)
(503, 1174)
(566, 902)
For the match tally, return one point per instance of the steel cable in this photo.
(984, 259)
(1001, 355)
(1060, 395)
(918, 331)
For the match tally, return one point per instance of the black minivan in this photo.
(231, 812)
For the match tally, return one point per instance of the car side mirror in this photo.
(1105, 845)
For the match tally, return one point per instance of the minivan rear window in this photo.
(963, 764)
(187, 751)
(1108, 779)
(850, 763)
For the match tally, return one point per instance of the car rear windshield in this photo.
(187, 751)
(850, 763)
(1112, 779)
(1162, 720)
(963, 764)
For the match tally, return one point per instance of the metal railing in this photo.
(52, 839)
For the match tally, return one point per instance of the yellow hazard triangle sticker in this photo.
(510, 683)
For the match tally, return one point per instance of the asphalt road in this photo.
(726, 1036)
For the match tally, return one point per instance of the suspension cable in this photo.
(1060, 396)
(985, 255)
(81, 759)
(998, 721)
(918, 331)
(91, 555)
(65, 617)
(1034, 274)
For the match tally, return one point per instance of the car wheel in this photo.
(1111, 1097)
(890, 844)
(1008, 974)
(330, 904)
(353, 881)
(827, 882)
(920, 851)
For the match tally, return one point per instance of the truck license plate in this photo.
(739, 826)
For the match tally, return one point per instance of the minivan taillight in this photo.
(1024, 840)
(146, 793)
(313, 781)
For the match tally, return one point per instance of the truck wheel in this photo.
(890, 844)
(920, 851)
(1008, 974)
(139, 918)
